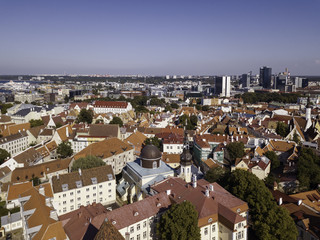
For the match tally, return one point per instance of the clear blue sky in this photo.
(204, 37)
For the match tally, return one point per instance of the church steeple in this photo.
(186, 161)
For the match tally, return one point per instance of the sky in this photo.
(165, 37)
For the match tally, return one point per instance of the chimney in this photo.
(168, 192)
(194, 181)
(67, 131)
(211, 188)
(57, 175)
(280, 201)
(207, 193)
(80, 171)
(299, 202)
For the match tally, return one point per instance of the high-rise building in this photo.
(223, 86)
(245, 80)
(265, 77)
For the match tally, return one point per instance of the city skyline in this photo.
(159, 38)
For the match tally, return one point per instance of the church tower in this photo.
(186, 162)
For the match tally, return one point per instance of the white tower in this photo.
(186, 162)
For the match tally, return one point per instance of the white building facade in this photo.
(91, 185)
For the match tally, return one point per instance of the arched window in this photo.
(154, 164)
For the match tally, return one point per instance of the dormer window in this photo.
(135, 214)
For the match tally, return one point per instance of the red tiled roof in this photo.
(110, 104)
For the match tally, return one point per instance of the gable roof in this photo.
(39, 170)
(83, 221)
(138, 211)
(102, 174)
(104, 130)
(206, 206)
(15, 128)
(28, 156)
(108, 231)
(104, 149)
(41, 216)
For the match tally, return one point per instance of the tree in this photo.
(295, 138)
(64, 149)
(154, 101)
(141, 109)
(87, 162)
(188, 122)
(66, 99)
(269, 221)
(4, 107)
(85, 116)
(282, 129)
(4, 155)
(215, 174)
(180, 222)
(35, 122)
(236, 150)
(154, 141)
(205, 108)
(275, 162)
(36, 181)
(308, 169)
(194, 120)
(174, 105)
(116, 120)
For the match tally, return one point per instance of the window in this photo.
(94, 194)
(109, 184)
(72, 207)
(154, 164)
(78, 198)
(138, 237)
(71, 200)
(87, 196)
(144, 223)
(64, 195)
(144, 234)
(206, 231)
(78, 191)
(64, 202)
(101, 199)
(71, 193)
(94, 188)
(131, 229)
(64, 209)
(109, 196)
(239, 235)
(213, 228)
(138, 227)
(100, 193)
(87, 189)
(109, 190)
(100, 186)
(239, 225)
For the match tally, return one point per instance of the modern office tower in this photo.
(223, 86)
(265, 77)
(281, 82)
(245, 80)
(301, 82)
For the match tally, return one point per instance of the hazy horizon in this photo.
(159, 38)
